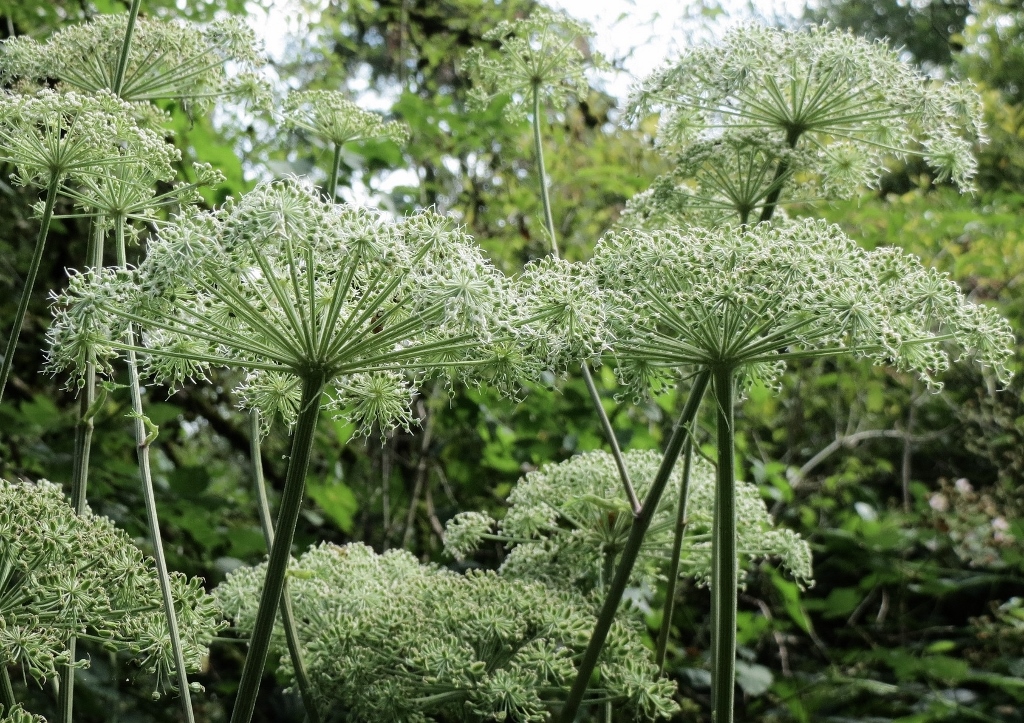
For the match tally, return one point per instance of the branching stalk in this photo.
(632, 549)
(291, 631)
(677, 550)
(143, 439)
(538, 148)
(30, 281)
(724, 567)
(332, 183)
(122, 61)
(280, 552)
(7, 698)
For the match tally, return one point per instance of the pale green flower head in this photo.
(846, 104)
(287, 285)
(390, 640)
(17, 714)
(333, 118)
(49, 135)
(168, 60)
(564, 520)
(65, 575)
(541, 52)
(752, 298)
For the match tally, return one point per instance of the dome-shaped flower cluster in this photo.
(331, 117)
(565, 520)
(753, 297)
(541, 53)
(844, 104)
(385, 638)
(167, 60)
(63, 575)
(282, 283)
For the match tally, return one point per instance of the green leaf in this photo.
(337, 501)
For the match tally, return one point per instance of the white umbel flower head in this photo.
(333, 118)
(751, 298)
(283, 283)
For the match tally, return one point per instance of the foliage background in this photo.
(912, 500)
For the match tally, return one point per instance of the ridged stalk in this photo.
(122, 61)
(30, 282)
(631, 550)
(7, 698)
(142, 444)
(280, 551)
(332, 182)
(724, 566)
(677, 553)
(80, 469)
(291, 631)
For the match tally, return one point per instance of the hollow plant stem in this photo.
(7, 698)
(332, 182)
(80, 469)
(144, 435)
(724, 567)
(280, 551)
(677, 550)
(631, 550)
(291, 632)
(30, 282)
(595, 397)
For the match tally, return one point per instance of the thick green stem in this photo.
(280, 551)
(122, 61)
(724, 567)
(332, 182)
(6, 690)
(143, 439)
(538, 148)
(30, 282)
(631, 550)
(80, 470)
(771, 201)
(677, 553)
(291, 631)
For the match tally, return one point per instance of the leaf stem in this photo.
(632, 549)
(30, 281)
(677, 549)
(538, 148)
(142, 443)
(723, 554)
(280, 552)
(291, 631)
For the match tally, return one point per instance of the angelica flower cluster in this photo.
(753, 297)
(539, 54)
(566, 522)
(63, 575)
(167, 60)
(330, 116)
(387, 639)
(844, 105)
(284, 285)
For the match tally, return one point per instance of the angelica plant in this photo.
(162, 60)
(64, 575)
(334, 119)
(567, 523)
(817, 106)
(285, 285)
(389, 639)
(52, 138)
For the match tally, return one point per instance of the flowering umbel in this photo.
(564, 520)
(389, 640)
(751, 298)
(333, 118)
(64, 575)
(539, 54)
(283, 283)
